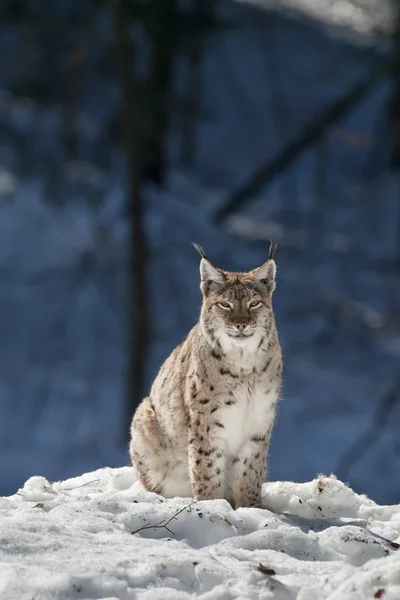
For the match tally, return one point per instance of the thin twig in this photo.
(159, 525)
(81, 485)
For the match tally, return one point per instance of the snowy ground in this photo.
(102, 536)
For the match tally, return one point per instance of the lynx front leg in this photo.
(250, 470)
(206, 456)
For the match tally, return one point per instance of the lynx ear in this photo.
(209, 274)
(267, 272)
(266, 275)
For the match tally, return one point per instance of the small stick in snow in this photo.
(79, 486)
(160, 524)
(266, 570)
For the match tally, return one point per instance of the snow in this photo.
(101, 535)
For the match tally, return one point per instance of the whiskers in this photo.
(234, 333)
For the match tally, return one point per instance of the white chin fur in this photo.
(230, 344)
(241, 341)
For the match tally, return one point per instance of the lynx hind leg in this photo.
(161, 469)
(145, 446)
(144, 422)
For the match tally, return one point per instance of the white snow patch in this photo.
(365, 17)
(101, 535)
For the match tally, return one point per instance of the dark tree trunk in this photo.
(160, 78)
(191, 107)
(139, 339)
(395, 100)
(203, 11)
(70, 107)
(394, 113)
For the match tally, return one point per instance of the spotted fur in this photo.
(204, 431)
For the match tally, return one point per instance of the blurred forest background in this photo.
(131, 128)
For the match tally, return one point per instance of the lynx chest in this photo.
(248, 410)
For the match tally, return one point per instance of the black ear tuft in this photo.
(200, 250)
(272, 249)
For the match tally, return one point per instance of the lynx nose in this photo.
(240, 323)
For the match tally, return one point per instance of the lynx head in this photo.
(237, 307)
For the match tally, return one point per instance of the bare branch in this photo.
(75, 487)
(161, 524)
(306, 138)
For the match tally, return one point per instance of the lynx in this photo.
(204, 430)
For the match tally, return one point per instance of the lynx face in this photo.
(237, 305)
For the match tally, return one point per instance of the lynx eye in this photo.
(224, 305)
(255, 304)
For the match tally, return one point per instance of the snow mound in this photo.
(101, 535)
